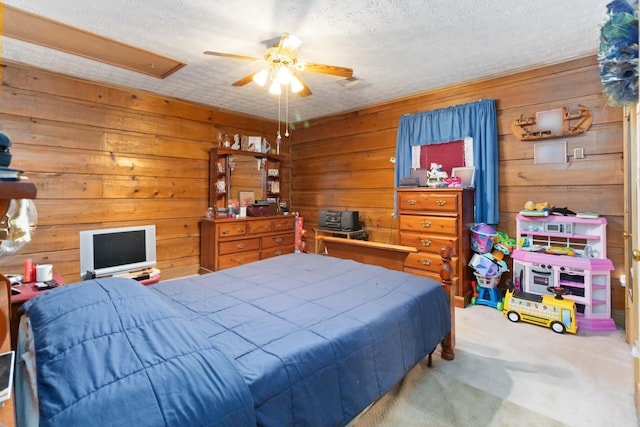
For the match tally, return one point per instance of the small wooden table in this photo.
(319, 232)
(27, 291)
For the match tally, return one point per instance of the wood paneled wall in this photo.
(104, 156)
(107, 157)
(343, 161)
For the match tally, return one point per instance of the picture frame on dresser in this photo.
(246, 198)
(466, 174)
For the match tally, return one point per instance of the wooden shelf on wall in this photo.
(17, 190)
(10, 190)
(256, 154)
(574, 124)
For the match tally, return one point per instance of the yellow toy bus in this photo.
(545, 310)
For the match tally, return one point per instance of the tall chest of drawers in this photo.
(430, 218)
(226, 243)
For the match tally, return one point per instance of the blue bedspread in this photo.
(111, 353)
(306, 339)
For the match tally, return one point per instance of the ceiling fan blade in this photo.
(305, 89)
(246, 79)
(305, 92)
(327, 69)
(231, 55)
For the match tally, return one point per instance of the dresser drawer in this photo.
(428, 242)
(426, 201)
(286, 223)
(431, 224)
(278, 240)
(256, 227)
(276, 251)
(231, 228)
(428, 262)
(234, 260)
(239, 246)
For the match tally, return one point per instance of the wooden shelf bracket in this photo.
(574, 123)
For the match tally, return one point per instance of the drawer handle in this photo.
(240, 245)
(426, 262)
(225, 231)
(240, 230)
(279, 240)
(441, 202)
(426, 242)
(239, 260)
(278, 225)
(267, 228)
(426, 224)
(278, 253)
(411, 202)
(255, 229)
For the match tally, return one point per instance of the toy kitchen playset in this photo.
(568, 252)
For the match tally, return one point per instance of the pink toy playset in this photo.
(567, 252)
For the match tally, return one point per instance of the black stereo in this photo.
(338, 220)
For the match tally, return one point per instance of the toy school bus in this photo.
(544, 310)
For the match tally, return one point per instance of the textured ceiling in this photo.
(396, 48)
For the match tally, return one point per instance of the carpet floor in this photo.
(515, 374)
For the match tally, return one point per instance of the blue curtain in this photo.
(476, 120)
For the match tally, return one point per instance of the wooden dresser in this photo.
(430, 218)
(226, 243)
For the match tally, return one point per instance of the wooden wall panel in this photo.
(103, 157)
(342, 161)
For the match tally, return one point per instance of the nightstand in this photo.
(7, 414)
(27, 291)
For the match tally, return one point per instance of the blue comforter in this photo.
(298, 339)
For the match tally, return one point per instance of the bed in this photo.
(298, 339)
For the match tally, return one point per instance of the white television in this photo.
(113, 251)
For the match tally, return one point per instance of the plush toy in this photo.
(536, 209)
(436, 176)
(503, 243)
(530, 206)
(454, 181)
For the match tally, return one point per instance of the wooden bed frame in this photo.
(389, 256)
(392, 257)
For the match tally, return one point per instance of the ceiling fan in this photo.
(282, 67)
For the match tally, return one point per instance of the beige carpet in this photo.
(508, 374)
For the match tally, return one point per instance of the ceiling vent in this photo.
(349, 83)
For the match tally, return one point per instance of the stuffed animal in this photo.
(540, 207)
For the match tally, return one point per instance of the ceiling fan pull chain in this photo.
(279, 115)
(286, 116)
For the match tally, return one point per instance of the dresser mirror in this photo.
(238, 171)
(247, 175)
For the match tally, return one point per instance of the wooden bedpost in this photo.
(446, 274)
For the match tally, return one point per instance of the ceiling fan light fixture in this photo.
(260, 78)
(275, 88)
(283, 76)
(291, 42)
(281, 70)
